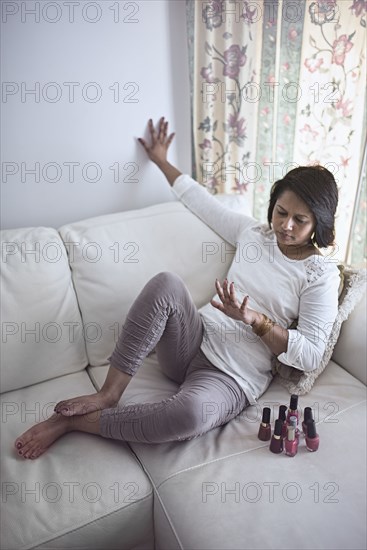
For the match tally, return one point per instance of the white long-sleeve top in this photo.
(283, 289)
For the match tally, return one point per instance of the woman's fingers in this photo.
(232, 293)
(151, 128)
(227, 289)
(169, 140)
(219, 290)
(227, 293)
(161, 134)
(217, 304)
(244, 303)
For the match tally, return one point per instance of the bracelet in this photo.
(264, 327)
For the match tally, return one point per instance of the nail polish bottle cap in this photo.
(282, 410)
(278, 427)
(266, 415)
(293, 421)
(307, 414)
(294, 402)
(291, 433)
(311, 429)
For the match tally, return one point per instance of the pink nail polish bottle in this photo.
(276, 443)
(293, 423)
(307, 415)
(282, 417)
(293, 410)
(312, 438)
(291, 445)
(265, 428)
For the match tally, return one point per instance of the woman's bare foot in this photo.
(86, 403)
(35, 441)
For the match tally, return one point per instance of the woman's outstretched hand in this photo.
(157, 150)
(231, 306)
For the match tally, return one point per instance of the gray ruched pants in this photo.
(164, 317)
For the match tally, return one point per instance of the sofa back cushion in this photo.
(42, 333)
(112, 257)
(351, 348)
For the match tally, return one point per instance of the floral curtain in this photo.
(223, 42)
(276, 84)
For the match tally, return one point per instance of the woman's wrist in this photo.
(258, 319)
(169, 171)
(262, 325)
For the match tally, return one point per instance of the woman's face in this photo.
(292, 220)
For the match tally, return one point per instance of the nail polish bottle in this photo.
(293, 423)
(276, 443)
(293, 411)
(265, 428)
(312, 439)
(307, 415)
(282, 417)
(291, 445)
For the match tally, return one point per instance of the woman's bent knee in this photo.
(167, 279)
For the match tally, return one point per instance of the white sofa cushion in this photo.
(259, 500)
(42, 333)
(351, 348)
(112, 257)
(185, 473)
(86, 492)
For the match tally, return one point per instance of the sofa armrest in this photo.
(350, 349)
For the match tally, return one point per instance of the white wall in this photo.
(150, 53)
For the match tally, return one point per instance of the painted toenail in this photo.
(20, 452)
(19, 445)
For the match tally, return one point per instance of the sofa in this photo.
(65, 294)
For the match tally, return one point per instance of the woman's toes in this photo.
(32, 454)
(66, 411)
(59, 406)
(27, 450)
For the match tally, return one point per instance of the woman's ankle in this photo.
(114, 385)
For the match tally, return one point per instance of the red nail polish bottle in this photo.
(293, 411)
(265, 428)
(291, 444)
(312, 438)
(276, 443)
(282, 417)
(307, 415)
(293, 423)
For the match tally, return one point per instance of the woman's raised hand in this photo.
(157, 150)
(231, 306)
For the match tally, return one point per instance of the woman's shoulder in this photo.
(262, 229)
(320, 268)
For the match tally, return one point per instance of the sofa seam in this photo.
(157, 495)
(87, 523)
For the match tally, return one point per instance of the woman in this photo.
(221, 354)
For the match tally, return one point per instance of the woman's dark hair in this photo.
(316, 186)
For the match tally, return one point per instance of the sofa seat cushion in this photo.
(112, 257)
(259, 500)
(85, 492)
(182, 472)
(42, 333)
